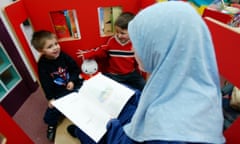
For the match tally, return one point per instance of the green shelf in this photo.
(10, 77)
(4, 61)
(2, 92)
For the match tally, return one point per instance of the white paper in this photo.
(98, 100)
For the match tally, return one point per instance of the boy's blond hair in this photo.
(39, 38)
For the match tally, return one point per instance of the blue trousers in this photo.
(52, 116)
(133, 79)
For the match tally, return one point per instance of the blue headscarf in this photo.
(181, 100)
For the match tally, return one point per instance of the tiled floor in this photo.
(30, 118)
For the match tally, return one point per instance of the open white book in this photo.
(98, 100)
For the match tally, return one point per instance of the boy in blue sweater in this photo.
(58, 75)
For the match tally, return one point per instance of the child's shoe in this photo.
(71, 130)
(51, 131)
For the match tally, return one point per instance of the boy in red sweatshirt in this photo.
(121, 64)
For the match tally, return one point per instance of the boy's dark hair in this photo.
(123, 20)
(39, 38)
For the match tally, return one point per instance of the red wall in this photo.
(227, 51)
(38, 13)
(232, 133)
(87, 17)
(146, 3)
(9, 128)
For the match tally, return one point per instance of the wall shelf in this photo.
(65, 23)
(4, 62)
(107, 17)
(9, 77)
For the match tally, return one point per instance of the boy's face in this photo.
(51, 49)
(122, 34)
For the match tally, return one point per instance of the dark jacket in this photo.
(55, 74)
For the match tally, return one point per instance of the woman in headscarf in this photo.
(181, 101)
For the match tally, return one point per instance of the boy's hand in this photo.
(50, 103)
(80, 53)
(70, 85)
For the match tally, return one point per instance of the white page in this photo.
(110, 94)
(83, 114)
(98, 100)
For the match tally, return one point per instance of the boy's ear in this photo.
(40, 51)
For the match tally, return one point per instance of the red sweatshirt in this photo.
(120, 57)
